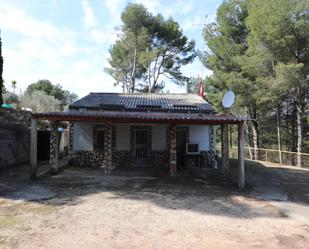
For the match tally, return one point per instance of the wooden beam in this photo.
(225, 148)
(71, 118)
(241, 157)
(34, 149)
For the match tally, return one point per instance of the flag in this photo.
(201, 93)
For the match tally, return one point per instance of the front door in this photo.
(141, 146)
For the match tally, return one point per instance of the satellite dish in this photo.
(228, 99)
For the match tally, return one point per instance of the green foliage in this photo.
(1, 72)
(39, 101)
(10, 97)
(150, 49)
(64, 96)
(259, 48)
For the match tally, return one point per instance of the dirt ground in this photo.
(83, 208)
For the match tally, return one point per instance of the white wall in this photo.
(123, 137)
(199, 134)
(158, 136)
(83, 136)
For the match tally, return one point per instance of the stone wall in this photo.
(159, 158)
(14, 138)
(87, 158)
(121, 158)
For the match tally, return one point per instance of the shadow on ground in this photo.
(204, 191)
(274, 182)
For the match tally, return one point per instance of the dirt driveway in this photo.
(82, 208)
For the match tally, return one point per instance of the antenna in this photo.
(228, 99)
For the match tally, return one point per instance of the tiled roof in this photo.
(144, 102)
(181, 118)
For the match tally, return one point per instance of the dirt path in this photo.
(118, 211)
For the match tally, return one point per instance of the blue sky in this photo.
(67, 41)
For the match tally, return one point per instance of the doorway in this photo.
(141, 146)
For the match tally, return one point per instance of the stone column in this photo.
(173, 152)
(108, 167)
(241, 156)
(71, 134)
(34, 148)
(54, 147)
(225, 148)
(212, 146)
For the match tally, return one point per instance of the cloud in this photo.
(89, 19)
(113, 8)
(151, 5)
(34, 49)
(94, 30)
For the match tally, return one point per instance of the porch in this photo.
(138, 148)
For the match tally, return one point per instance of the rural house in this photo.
(130, 130)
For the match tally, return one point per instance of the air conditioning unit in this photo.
(192, 149)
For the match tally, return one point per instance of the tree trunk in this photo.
(278, 133)
(293, 122)
(133, 69)
(247, 135)
(255, 139)
(231, 136)
(300, 125)
(251, 111)
(1, 71)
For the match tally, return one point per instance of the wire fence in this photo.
(269, 155)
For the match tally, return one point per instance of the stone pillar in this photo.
(173, 152)
(107, 162)
(34, 148)
(241, 156)
(54, 147)
(225, 148)
(71, 135)
(212, 146)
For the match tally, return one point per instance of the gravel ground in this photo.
(85, 209)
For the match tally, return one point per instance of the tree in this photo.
(281, 28)
(125, 55)
(65, 97)
(227, 50)
(149, 48)
(14, 83)
(39, 101)
(170, 50)
(10, 97)
(1, 72)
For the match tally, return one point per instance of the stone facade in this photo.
(121, 158)
(172, 150)
(107, 159)
(159, 158)
(14, 138)
(87, 158)
(54, 141)
(212, 154)
(71, 134)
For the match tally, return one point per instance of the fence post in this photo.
(266, 155)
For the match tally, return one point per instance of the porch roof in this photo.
(141, 117)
